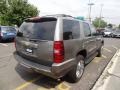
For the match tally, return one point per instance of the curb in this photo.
(101, 83)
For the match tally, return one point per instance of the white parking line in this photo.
(104, 56)
(115, 47)
(3, 44)
(107, 50)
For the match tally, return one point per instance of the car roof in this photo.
(54, 16)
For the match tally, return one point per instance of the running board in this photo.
(90, 58)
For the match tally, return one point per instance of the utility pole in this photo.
(100, 16)
(90, 8)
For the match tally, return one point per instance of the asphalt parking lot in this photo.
(15, 77)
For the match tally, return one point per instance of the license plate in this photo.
(29, 50)
(10, 33)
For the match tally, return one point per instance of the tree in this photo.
(99, 23)
(17, 11)
(3, 7)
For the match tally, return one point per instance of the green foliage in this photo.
(3, 7)
(99, 23)
(17, 11)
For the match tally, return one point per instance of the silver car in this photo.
(57, 45)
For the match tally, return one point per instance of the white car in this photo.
(107, 33)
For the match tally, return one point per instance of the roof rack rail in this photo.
(60, 15)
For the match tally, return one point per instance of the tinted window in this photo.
(86, 28)
(71, 29)
(38, 30)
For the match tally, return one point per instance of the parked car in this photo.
(57, 45)
(107, 33)
(7, 32)
(116, 33)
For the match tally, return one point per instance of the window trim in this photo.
(79, 29)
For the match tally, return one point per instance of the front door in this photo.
(89, 40)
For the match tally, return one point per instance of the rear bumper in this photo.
(55, 71)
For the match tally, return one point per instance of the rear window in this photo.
(42, 30)
(8, 29)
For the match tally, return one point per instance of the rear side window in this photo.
(71, 29)
(42, 30)
(86, 28)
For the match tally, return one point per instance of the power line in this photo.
(100, 16)
(90, 8)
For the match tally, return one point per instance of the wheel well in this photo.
(83, 52)
(102, 42)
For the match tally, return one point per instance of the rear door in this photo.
(35, 40)
(71, 37)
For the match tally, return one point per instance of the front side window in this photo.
(71, 29)
(86, 28)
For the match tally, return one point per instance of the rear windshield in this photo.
(8, 29)
(38, 30)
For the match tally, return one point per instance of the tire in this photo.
(99, 52)
(76, 73)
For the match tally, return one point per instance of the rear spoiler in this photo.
(40, 19)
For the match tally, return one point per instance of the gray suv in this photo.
(57, 45)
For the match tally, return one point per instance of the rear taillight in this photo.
(58, 51)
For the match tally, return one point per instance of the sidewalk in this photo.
(110, 78)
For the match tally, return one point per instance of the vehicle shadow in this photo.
(43, 81)
(7, 41)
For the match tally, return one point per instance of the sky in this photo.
(110, 8)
